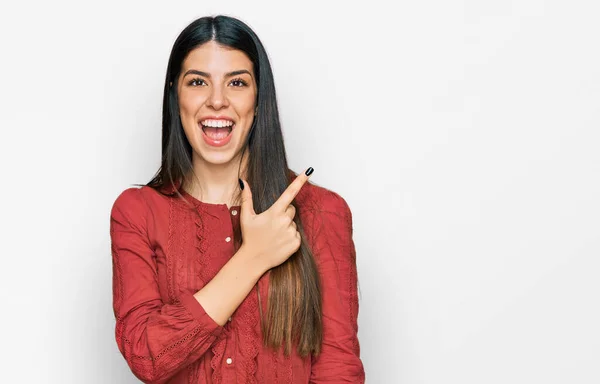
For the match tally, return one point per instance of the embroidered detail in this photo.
(179, 342)
(196, 252)
(274, 365)
(178, 258)
(247, 319)
(287, 366)
(169, 258)
(201, 244)
(249, 336)
(218, 350)
(282, 367)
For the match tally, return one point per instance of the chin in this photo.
(217, 158)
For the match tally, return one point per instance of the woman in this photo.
(227, 267)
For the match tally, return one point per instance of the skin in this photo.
(217, 93)
(269, 238)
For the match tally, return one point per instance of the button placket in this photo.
(229, 355)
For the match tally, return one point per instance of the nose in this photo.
(217, 98)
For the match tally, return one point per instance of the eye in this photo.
(195, 82)
(238, 83)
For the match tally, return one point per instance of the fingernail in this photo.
(241, 184)
(309, 171)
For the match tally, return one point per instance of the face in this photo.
(217, 101)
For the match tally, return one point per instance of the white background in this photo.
(463, 134)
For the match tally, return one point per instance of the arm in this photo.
(333, 247)
(158, 339)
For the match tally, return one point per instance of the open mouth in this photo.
(217, 132)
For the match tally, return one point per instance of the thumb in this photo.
(247, 206)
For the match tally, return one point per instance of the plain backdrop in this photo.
(463, 134)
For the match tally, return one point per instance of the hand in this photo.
(272, 236)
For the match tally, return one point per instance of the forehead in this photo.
(215, 59)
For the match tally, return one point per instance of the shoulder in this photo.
(134, 204)
(129, 208)
(317, 201)
(327, 222)
(129, 200)
(315, 197)
(139, 200)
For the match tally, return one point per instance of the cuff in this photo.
(192, 305)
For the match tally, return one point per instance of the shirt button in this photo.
(228, 239)
(229, 361)
(229, 319)
(234, 212)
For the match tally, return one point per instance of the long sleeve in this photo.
(335, 255)
(157, 339)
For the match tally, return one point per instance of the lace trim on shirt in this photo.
(247, 317)
(248, 324)
(203, 235)
(170, 289)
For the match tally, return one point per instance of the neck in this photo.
(216, 183)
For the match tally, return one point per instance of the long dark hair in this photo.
(294, 303)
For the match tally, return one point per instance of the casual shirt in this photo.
(165, 249)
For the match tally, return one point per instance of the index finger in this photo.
(292, 190)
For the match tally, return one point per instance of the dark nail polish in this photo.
(309, 171)
(241, 184)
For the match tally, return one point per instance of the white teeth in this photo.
(217, 123)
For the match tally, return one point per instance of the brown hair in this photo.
(294, 305)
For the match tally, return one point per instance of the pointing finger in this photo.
(292, 190)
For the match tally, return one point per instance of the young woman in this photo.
(227, 266)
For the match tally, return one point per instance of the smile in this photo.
(217, 132)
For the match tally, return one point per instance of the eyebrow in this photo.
(205, 74)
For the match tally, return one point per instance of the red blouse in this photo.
(164, 251)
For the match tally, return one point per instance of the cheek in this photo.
(245, 106)
(189, 104)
